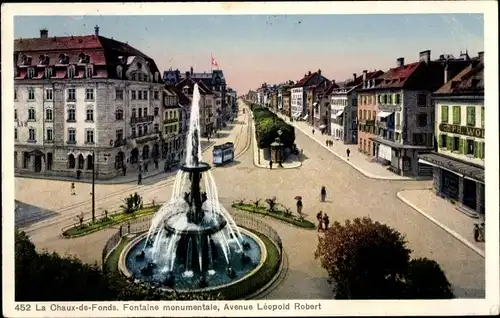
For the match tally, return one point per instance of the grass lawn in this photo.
(111, 264)
(280, 215)
(102, 223)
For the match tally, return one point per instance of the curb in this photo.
(254, 142)
(442, 226)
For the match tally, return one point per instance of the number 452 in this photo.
(23, 307)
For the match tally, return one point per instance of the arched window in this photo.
(119, 71)
(119, 114)
(71, 161)
(81, 162)
(90, 162)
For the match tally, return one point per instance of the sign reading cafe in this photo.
(462, 130)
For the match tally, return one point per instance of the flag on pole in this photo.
(214, 62)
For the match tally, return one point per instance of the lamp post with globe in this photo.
(280, 148)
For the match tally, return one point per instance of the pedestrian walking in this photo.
(128, 227)
(323, 194)
(78, 174)
(313, 131)
(156, 163)
(326, 222)
(73, 188)
(348, 152)
(146, 166)
(121, 230)
(139, 178)
(319, 217)
(299, 207)
(270, 164)
(124, 169)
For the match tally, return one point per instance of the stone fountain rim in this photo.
(122, 263)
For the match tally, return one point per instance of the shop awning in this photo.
(305, 117)
(322, 127)
(338, 114)
(425, 162)
(460, 168)
(315, 104)
(384, 114)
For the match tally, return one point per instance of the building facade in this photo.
(404, 124)
(286, 102)
(77, 102)
(367, 110)
(458, 163)
(299, 94)
(317, 104)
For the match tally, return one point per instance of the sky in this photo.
(253, 49)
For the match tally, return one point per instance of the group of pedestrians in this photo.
(323, 221)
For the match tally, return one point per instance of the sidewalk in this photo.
(443, 214)
(357, 160)
(131, 176)
(262, 162)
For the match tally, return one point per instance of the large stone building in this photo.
(80, 96)
(458, 163)
(317, 104)
(175, 121)
(206, 104)
(367, 112)
(298, 96)
(404, 125)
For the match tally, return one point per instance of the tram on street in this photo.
(223, 153)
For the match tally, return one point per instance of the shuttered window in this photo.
(456, 115)
(444, 114)
(482, 117)
(471, 116)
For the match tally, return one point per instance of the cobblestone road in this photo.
(350, 195)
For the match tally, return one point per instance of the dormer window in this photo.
(89, 71)
(185, 89)
(71, 71)
(48, 72)
(24, 59)
(63, 59)
(140, 77)
(31, 72)
(43, 60)
(119, 71)
(83, 58)
(157, 76)
(139, 66)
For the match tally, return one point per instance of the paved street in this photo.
(350, 194)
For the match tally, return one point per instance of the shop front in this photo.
(460, 182)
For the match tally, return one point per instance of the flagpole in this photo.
(211, 62)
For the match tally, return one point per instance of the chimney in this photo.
(319, 71)
(44, 33)
(191, 70)
(400, 62)
(446, 72)
(365, 72)
(309, 73)
(187, 74)
(96, 29)
(481, 56)
(425, 56)
(354, 76)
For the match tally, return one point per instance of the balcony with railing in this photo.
(120, 142)
(143, 119)
(171, 121)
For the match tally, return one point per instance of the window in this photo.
(15, 93)
(15, 159)
(456, 143)
(15, 134)
(71, 94)
(71, 135)
(139, 95)
(50, 159)
(156, 95)
(48, 72)
(444, 114)
(456, 115)
(89, 94)
(71, 162)
(422, 100)
(470, 147)
(31, 134)
(398, 120)
(139, 130)
(397, 99)
(90, 162)
(15, 114)
(471, 116)
(31, 114)
(49, 94)
(49, 114)
(443, 141)
(89, 136)
(145, 95)
(71, 71)
(31, 93)
(140, 112)
(49, 135)
(132, 95)
(364, 114)
(156, 128)
(134, 114)
(71, 113)
(156, 111)
(90, 114)
(89, 71)
(419, 139)
(145, 111)
(119, 114)
(31, 72)
(119, 134)
(482, 117)
(133, 132)
(422, 120)
(360, 116)
(119, 94)
(145, 129)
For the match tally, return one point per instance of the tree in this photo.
(370, 260)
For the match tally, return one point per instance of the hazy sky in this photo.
(252, 49)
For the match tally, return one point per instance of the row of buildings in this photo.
(420, 118)
(85, 101)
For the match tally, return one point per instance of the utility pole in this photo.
(93, 185)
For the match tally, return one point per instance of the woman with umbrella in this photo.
(299, 204)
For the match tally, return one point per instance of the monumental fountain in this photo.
(193, 243)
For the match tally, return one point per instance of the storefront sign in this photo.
(462, 130)
(389, 108)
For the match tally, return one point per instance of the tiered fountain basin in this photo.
(217, 277)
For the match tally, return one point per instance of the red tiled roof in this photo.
(190, 83)
(305, 79)
(469, 80)
(183, 99)
(397, 77)
(331, 87)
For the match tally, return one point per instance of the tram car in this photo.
(223, 153)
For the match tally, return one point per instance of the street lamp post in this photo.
(280, 149)
(93, 185)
